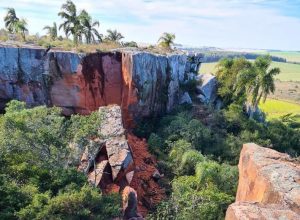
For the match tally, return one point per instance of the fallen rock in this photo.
(130, 202)
(208, 88)
(185, 99)
(112, 134)
(269, 185)
(96, 175)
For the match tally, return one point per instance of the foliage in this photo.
(113, 36)
(52, 31)
(15, 25)
(167, 40)
(35, 181)
(87, 203)
(78, 25)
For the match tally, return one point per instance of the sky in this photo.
(256, 24)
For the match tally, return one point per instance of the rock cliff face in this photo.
(269, 186)
(143, 84)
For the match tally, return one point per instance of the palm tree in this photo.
(52, 31)
(114, 35)
(258, 81)
(10, 20)
(21, 28)
(13, 24)
(89, 27)
(166, 40)
(71, 23)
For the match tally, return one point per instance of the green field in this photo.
(277, 108)
(290, 56)
(289, 71)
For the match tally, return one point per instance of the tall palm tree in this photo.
(11, 20)
(51, 31)
(89, 27)
(114, 35)
(166, 40)
(13, 24)
(71, 24)
(258, 81)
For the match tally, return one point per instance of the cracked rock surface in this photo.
(269, 185)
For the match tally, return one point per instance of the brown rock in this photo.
(96, 175)
(268, 184)
(129, 198)
(256, 211)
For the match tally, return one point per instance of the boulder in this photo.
(113, 136)
(269, 185)
(130, 202)
(185, 99)
(254, 211)
(208, 88)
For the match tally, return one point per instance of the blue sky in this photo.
(264, 24)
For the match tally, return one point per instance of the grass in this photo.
(274, 109)
(289, 71)
(290, 56)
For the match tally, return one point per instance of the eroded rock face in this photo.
(208, 88)
(143, 84)
(269, 186)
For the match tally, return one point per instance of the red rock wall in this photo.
(98, 82)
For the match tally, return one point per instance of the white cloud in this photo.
(225, 23)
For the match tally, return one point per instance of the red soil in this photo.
(148, 191)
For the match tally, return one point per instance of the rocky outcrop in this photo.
(143, 84)
(107, 158)
(269, 186)
(115, 159)
(208, 89)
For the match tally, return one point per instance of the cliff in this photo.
(269, 186)
(143, 84)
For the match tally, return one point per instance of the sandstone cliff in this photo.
(143, 84)
(269, 186)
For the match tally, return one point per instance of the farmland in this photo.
(277, 108)
(289, 71)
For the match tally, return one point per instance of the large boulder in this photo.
(208, 89)
(269, 186)
(130, 202)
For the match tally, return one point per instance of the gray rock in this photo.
(185, 99)
(208, 88)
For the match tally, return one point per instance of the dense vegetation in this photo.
(198, 147)
(35, 180)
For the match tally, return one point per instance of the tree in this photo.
(167, 40)
(89, 28)
(71, 24)
(227, 71)
(114, 35)
(15, 25)
(10, 20)
(258, 81)
(51, 31)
